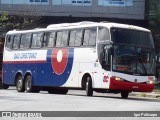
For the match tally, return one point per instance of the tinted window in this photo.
(49, 39)
(72, 38)
(86, 37)
(9, 41)
(79, 35)
(93, 34)
(75, 37)
(132, 37)
(37, 40)
(103, 34)
(62, 39)
(59, 38)
(25, 41)
(89, 37)
(16, 41)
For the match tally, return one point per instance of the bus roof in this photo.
(118, 25)
(79, 25)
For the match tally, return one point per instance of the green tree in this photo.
(154, 22)
(9, 22)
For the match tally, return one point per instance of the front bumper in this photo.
(130, 86)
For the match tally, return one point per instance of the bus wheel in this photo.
(28, 85)
(19, 84)
(89, 90)
(124, 94)
(4, 86)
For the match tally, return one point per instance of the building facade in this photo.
(94, 10)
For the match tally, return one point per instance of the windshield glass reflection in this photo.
(133, 60)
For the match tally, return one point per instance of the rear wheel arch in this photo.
(19, 73)
(19, 82)
(29, 83)
(27, 74)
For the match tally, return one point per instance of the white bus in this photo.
(102, 57)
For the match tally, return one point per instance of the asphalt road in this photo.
(75, 100)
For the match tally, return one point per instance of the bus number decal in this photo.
(105, 79)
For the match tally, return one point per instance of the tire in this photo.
(89, 90)
(57, 91)
(20, 84)
(4, 86)
(124, 94)
(28, 85)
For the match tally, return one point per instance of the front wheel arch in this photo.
(89, 87)
(84, 80)
(87, 84)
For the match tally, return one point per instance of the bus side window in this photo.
(25, 41)
(106, 63)
(9, 41)
(59, 39)
(79, 34)
(90, 37)
(103, 34)
(62, 39)
(16, 42)
(93, 34)
(49, 38)
(86, 37)
(37, 40)
(72, 38)
(75, 37)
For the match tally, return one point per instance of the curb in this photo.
(144, 94)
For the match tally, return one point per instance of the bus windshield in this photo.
(132, 37)
(133, 60)
(133, 52)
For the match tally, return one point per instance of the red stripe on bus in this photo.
(24, 62)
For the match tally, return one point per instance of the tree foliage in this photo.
(9, 22)
(154, 22)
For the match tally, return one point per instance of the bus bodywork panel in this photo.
(55, 67)
(44, 66)
(130, 86)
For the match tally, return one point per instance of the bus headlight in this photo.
(151, 82)
(118, 78)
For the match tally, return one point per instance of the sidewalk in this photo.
(146, 94)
